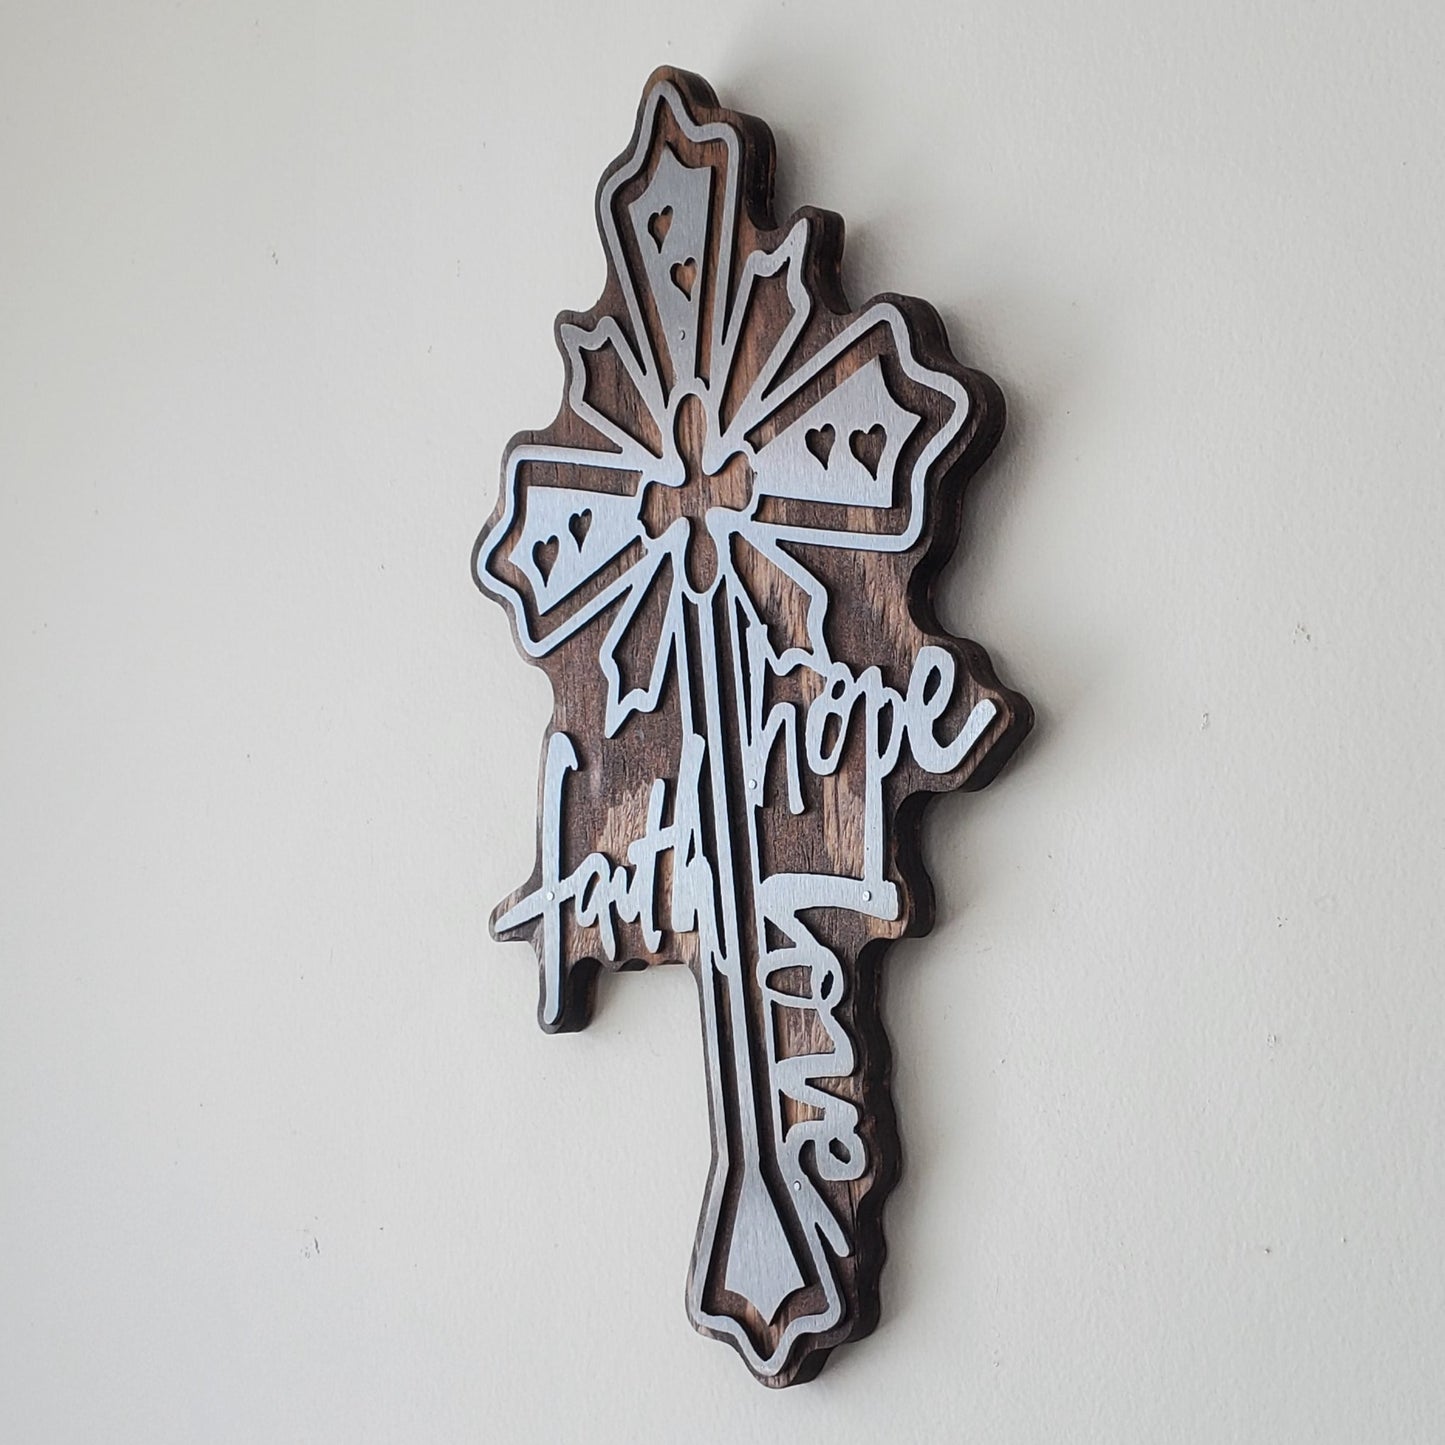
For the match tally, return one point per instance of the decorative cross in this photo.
(723, 554)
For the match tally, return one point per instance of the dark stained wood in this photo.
(881, 614)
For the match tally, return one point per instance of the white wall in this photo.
(283, 1155)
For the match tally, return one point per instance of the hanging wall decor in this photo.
(723, 552)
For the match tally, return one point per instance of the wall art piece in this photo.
(723, 552)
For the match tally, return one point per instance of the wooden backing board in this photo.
(723, 553)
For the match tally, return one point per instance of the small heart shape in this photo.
(579, 524)
(660, 225)
(819, 441)
(867, 446)
(684, 273)
(544, 558)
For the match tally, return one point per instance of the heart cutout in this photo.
(544, 558)
(660, 225)
(819, 441)
(867, 446)
(579, 524)
(683, 275)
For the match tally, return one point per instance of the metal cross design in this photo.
(723, 553)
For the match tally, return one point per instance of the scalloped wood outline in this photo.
(903, 837)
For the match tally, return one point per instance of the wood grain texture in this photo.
(879, 615)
